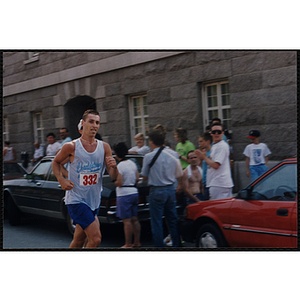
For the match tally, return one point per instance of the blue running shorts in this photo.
(81, 214)
(127, 206)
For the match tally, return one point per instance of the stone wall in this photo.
(262, 93)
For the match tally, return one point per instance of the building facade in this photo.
(135, 90)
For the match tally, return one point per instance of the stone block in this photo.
(279, 59)
(135, 86)
(113, 103)
(100, 92)
(57, 100)
(247, 117)
(248, 64)
(103, 117)
(113, 89)
(182, 92)
(158, 96)
(247, 82)
(59, 122)
(280, 114)
(204, 57)
(279, 77)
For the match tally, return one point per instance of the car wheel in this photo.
(13, 213)
(210, 236)
(70, 224)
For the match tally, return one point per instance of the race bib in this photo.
(89, 178)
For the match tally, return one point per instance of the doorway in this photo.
(73, 111)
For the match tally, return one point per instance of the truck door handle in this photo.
(282, 212)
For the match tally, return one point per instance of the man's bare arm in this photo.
(61, 156)
(110, 162)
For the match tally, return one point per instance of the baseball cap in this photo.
(253, 134)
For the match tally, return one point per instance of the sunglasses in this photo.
(193, 157)
(216, 131)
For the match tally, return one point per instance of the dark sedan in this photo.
(12, 170)
(39, 193)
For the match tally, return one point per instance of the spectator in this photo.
(214, 121)
(140, 147)
(9, 153)
(38, 153)
(127, 196)
(53, 146)
(183, 146)
(205, 141)
(162, 195)
(64, 134)
(192, 179)
(256, 155)
(219, 178)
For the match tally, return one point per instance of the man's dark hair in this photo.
(206, 136)
(50, 134)
(189, 153)
(157, 137)
(64, 128)
(90, 111)
(217, 124)
(7, 143)
(216, 119)
(121, 149)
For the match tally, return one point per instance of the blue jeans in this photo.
(256, 171)
(162, 201)
(206, 193)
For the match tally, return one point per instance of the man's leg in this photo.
(156, 205)
(93, 234)
(171, 217)
(78, 238)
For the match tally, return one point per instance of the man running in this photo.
(88, 158)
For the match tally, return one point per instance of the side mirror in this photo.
(243, 194)
(28, 176)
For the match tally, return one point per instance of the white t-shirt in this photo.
(257, 153)
(222, 176)
(38, 152)
(127, 169)
(142, 151)
(52, 148)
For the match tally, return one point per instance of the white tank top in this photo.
(9, 154)
(86, 173)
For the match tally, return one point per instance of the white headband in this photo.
(79, 124)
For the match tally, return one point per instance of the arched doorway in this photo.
(73, 111)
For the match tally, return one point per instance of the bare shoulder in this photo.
(107, 149)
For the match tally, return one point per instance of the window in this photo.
(41, 171)
(38, 128)
(5, 130)
(138, 111)
(31, 56)
(216, 103)
(279, 185)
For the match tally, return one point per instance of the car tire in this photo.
(210, 236)
(13, 213)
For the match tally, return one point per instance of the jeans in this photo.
(256, 171)
(162, 201)
(206, 193)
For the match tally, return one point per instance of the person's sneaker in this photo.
(169, 244)
(167, 239)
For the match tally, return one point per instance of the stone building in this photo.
(135, 90)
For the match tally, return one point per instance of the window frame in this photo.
(5, 129)
(37, 129)
(142, 116)
(31, 56)
(219, 107)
